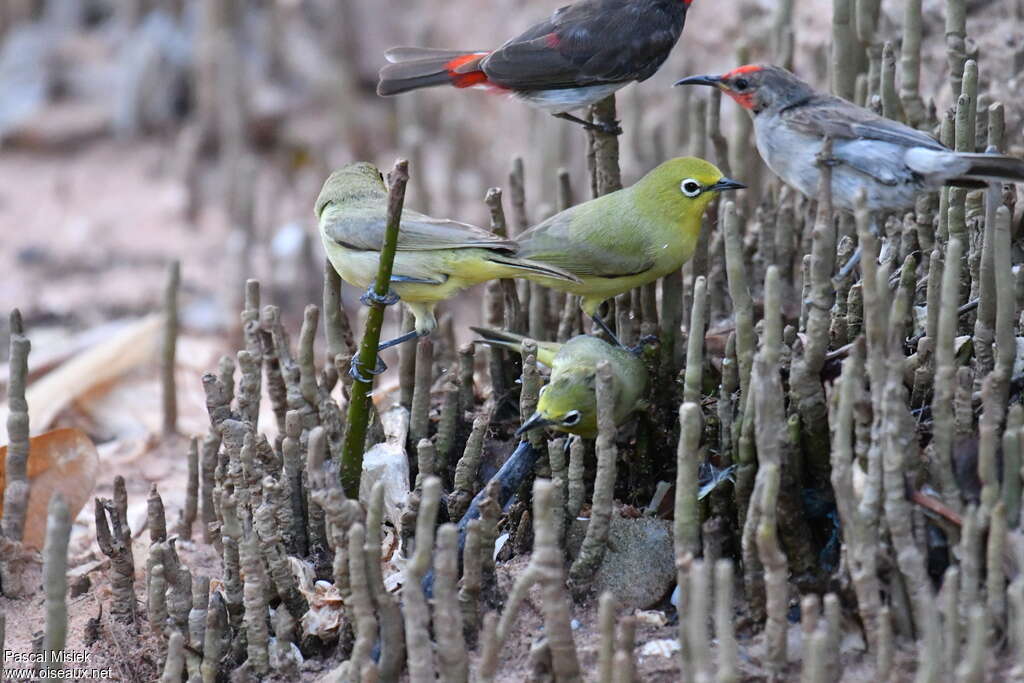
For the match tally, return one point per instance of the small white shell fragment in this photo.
(666, 647)
(651, 617)
(499, 543)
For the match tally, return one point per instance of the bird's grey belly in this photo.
(794, 158)
(567, 99)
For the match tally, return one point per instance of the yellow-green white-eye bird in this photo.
(628, 238)
(435, 257)
(568, 402)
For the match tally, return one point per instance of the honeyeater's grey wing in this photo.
(842, 120)
(862, 140)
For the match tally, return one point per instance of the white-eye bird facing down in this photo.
(568, 402)
(892, 162)
(581, 54)
(628, 238)
(435, 257)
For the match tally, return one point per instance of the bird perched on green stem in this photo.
(580, 55)
(435, 257)
(627, 238)
(892, 162)
(568, 403)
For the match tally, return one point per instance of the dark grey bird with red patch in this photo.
(582, 54)
(892, 162)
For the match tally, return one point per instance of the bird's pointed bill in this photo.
(535, 421)
(714, 81)
(727, 184)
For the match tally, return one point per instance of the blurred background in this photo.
(136, 132)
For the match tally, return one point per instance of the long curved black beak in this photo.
(713, 81)
(727, 184)
(535, 421)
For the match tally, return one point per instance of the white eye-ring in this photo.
(691, 188)
(571, 418)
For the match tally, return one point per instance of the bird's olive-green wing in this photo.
(596, 239)
(363, 230)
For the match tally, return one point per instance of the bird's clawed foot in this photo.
(370, 297)
(357, 368)
(644, 342)
(607, 127)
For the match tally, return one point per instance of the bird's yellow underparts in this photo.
(434, 260)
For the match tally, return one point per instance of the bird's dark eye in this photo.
(741, 84)
(691, 188)
(571, 418)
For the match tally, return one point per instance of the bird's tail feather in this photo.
(514, 342)
(962, 168)
(534, 267)
(500, 338)
(994, 167)
(412, 68)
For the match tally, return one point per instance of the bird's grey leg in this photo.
(607, 330)
(609, 128)
(408, 336)
(854, 261)
(356, 368)
(845, 271)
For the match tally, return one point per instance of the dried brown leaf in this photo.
(64, 461)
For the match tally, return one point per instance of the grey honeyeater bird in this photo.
(568, 403)
(435, 257)
(891, 162)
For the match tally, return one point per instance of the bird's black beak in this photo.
(727, 184)
(536, 421)
(713, 81)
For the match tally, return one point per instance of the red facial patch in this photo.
(465, 80)
(745, 100)
(739, 71)
(553, 40)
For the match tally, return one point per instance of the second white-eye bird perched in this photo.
(568, 402)
(435, 257)
(627, 238)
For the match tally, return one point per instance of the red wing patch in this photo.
(468, 79)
